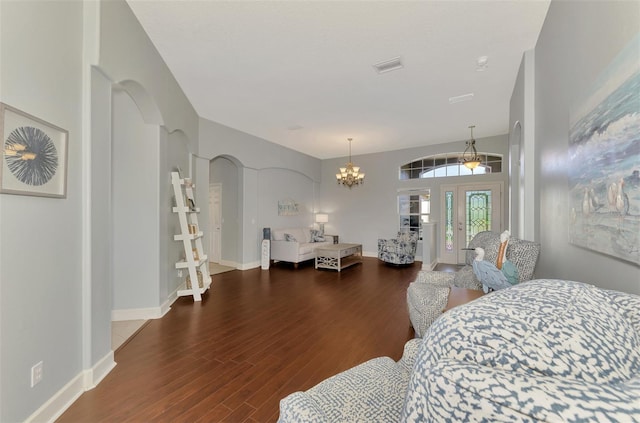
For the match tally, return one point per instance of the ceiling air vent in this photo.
(388, 65)
(460, 98)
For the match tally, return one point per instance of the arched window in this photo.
(448, 164)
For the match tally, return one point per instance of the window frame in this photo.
(417, 168)
(404, 209)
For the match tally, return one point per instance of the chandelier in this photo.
(470, 157)
(351, 174)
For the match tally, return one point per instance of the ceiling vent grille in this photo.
(460, 98)
(389, 65)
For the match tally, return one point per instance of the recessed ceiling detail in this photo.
(389, 65)
(461, 98)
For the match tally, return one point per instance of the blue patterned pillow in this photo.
(290, 238)
(317, 236)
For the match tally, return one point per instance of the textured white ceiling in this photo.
(299, 73)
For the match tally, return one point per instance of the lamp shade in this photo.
(472, 164)
(322, 218)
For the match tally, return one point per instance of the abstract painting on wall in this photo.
(34, 155)
(604, 161)
(288, 208)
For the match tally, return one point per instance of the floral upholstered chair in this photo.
(399, 250)
(427, 295)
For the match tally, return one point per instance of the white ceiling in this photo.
(299, 73)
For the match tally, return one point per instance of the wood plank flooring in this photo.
(256, 337)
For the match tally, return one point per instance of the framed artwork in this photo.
(604, 161)
(288, 208)
(34, 155)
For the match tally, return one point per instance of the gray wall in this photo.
(577, 42)
(162, 112)
(225, 172)
(126, 53)
(55, 299)
(99, 311)
(516, 126)
(263, 168)
(174, 154)
(362, 214)
(522, 180)
(41, 238)
(365, 213)
(136, 155)
(276, 185)
(253, 152)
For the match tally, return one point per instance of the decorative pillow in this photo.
(317, 236)
(277, 235)
(290, 238)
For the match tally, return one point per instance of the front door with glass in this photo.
(467, 210)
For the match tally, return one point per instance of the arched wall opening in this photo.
(225, 211)
(135, 153)
(243, 201)
(143, 154)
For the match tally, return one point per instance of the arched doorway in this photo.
(225, 199)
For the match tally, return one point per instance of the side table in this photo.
(459, 296)
(335, 238)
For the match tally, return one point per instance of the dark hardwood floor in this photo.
(256, 337)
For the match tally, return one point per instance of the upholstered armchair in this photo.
(427, 295)
(399, 250)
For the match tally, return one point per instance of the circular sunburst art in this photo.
(31, 155)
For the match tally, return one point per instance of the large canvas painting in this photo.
(604, 161)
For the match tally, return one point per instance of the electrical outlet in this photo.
(179, 273)
(36, 373)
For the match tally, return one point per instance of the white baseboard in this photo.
(94, 376)
(429, 266)
(166, 306)
(137, 314)
(87, 379)
(247, 266)
(228, 263)
(240, 266)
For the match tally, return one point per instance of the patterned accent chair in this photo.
(545, 350)
(541, 351)
(427, 295)
(399, 250)
(348, 396)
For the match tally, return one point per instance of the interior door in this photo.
(215, 210)
(466, 210)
